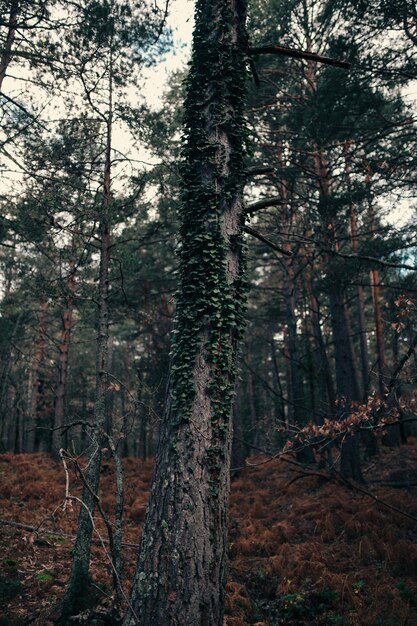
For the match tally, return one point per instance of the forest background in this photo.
(89, 232)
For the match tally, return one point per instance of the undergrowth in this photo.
(310, 553)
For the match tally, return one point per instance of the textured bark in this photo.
(181, 570)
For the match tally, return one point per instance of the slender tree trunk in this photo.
(238, 449)
(64, 346)
(4, 387)
(77, 593)
(346, 380)
(181, 571)
(288, 377)
(379, 328)
(379, 332)
(295, 381)
(325, 375)
(31, 433)
(361, 310)
(392, 437)
(254, 423)
(279, 398)
(6, 53)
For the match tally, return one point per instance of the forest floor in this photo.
(308, 551)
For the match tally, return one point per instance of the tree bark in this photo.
(181, 570)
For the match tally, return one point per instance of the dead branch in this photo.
(252, 208)
(257, 235)
(298, 54)
(258, 170)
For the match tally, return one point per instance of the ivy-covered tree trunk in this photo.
(181, 570)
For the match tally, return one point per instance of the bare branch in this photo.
(254, 233)
(263, 204)
(298, 54)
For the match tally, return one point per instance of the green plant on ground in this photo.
(308, 604)
(43, 577)
(56, 538)
(358, 586)
(294, 604)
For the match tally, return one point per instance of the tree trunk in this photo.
(327, 409)
(5, 414)
(31, 433)
(361, 311)
(64, 346)
(279, 397)
(77, 593)
(181, 570)
(379, 332)
(346, 380)
(295, 379)
(6, 53)
(288, 377)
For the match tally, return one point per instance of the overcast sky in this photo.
(181, 20)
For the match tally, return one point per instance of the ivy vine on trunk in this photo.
(181, 570)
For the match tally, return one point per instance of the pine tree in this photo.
(181, 570)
